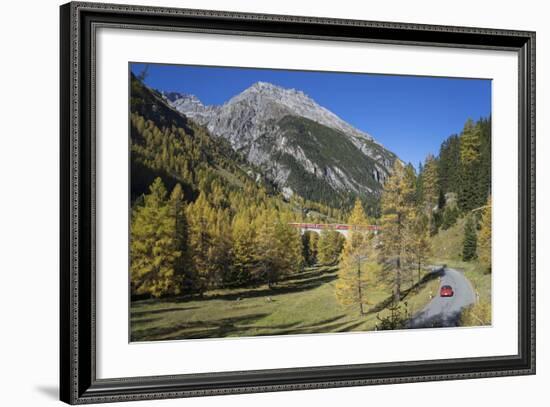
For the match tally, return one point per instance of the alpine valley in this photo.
(270, 215)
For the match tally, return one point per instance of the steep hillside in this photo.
(447, 244)
(165, 143)
(317, 162)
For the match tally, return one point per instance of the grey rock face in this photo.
(251, 120)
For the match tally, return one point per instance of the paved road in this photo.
(445, 311)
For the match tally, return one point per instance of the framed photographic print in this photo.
(255, 203)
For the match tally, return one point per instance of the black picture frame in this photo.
(78, 382)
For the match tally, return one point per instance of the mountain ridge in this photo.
(256, 124)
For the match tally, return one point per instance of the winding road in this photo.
(445, 311)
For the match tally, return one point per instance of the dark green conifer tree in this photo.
(469, 250)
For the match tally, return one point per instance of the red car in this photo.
(446, 291)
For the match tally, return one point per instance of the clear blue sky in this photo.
(409, 115)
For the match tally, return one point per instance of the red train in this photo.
(334, 226)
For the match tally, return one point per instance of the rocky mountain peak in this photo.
(264, 86)
(271, 125)
(184, 102)
(277, 93)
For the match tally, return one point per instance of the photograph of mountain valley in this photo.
(277, 202)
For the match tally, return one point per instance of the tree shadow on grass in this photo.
(351, 327)
(197, 329)
(298, 326)
(405, 293)
(147, 312)
(329, 325)
(313, 273)
(304, 281)
(239, 326)
(143, 321)
(288, 287)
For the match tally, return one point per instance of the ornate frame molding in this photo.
(79, 21)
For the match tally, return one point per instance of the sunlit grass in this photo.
(301, 305)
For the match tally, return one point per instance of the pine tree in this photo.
(154, 249)
(289, 244)
(309, 247)
(244, 253)
(357, 250)
(267, 262)
(485, 158)
(441, 200)
(470, 240)
(419, 184)
(470, 195)
(220, 254)
(432, 194)
(430, 183)
(418, 242)
(181, 236)
(313, 248)
(450, 216)
(484, 242)
(329, 247)
(449, 165)
(357, 218)
(201, 217)
(398, 198)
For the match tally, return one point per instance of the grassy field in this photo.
(303, 304)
